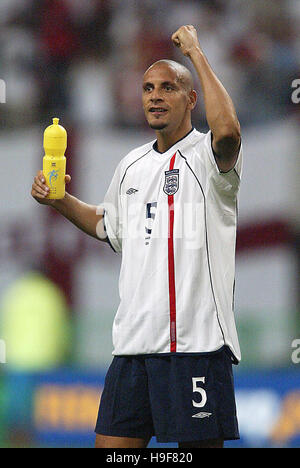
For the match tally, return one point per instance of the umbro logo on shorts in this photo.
(202, 415)
(131, 191)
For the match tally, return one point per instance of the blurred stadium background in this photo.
(82, 61)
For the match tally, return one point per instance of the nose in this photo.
(155, 96)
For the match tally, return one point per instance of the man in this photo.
(171, 210)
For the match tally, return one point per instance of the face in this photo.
(166, 102)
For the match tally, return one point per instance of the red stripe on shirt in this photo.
(171, 267)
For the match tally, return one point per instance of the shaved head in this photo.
(168, 97)
(184, 76)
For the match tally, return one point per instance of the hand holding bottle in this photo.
(49, 184)
(40, 190)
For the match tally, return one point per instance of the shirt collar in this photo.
(175, 146)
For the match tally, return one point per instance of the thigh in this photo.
(103, 441)
(125, 410)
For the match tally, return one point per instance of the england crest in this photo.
(171, 181)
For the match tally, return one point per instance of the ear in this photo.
(192, 99)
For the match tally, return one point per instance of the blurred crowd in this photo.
(83, 60)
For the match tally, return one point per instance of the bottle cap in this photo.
(55, 139)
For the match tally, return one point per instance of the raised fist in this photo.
(186, 39)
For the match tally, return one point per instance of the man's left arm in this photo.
(220, 112)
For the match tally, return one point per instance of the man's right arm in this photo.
(88, 218)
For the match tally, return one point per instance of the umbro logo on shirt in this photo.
(131, 191)
(202, 415)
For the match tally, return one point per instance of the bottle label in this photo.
(54, 170)
(53, 175)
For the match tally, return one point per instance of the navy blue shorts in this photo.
(177, 398)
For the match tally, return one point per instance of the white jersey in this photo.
(173, 216)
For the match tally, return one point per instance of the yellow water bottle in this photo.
(54, 162)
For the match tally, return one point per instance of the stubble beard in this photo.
(158, 126)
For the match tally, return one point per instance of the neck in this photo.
(166, 139)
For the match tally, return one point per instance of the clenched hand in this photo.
(186, 39)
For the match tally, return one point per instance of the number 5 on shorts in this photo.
(198, 389)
